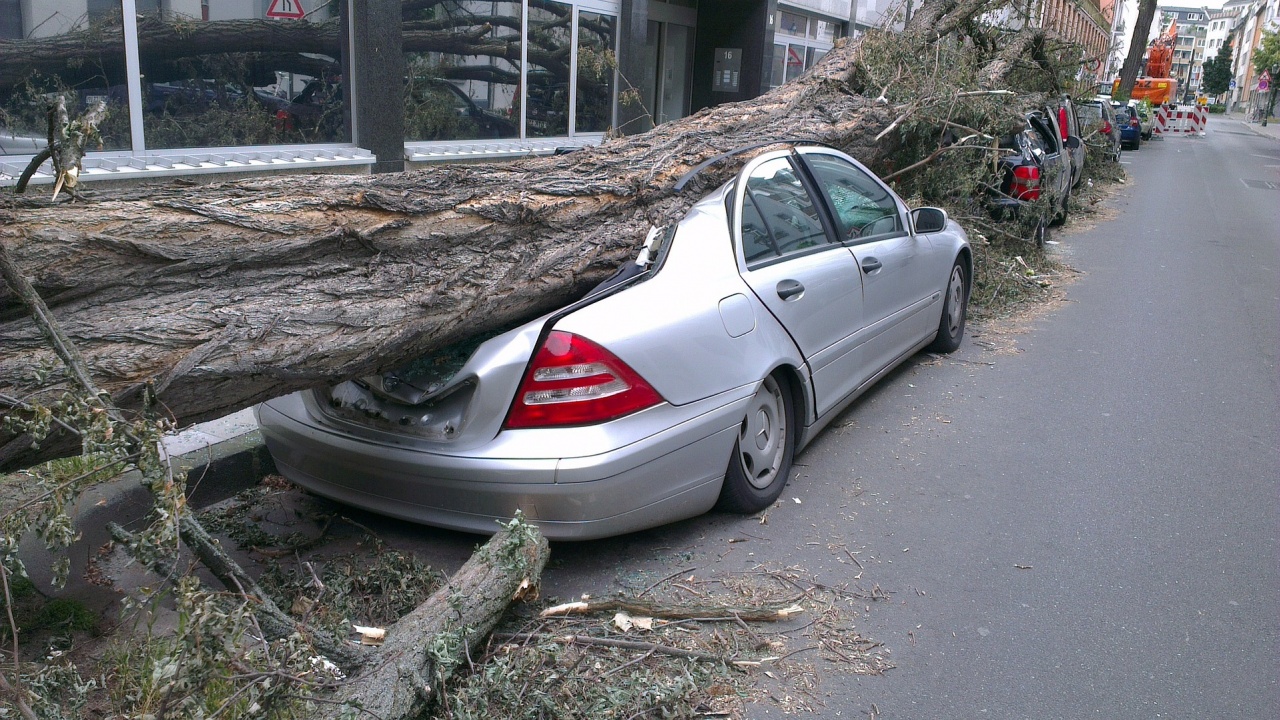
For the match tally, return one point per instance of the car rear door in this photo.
(811, 284)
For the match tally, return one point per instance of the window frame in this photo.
(524, 145)
(900, 208)
(140, 162)
(736, 196)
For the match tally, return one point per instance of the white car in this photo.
(686, 382)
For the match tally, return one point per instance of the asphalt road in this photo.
(1079, 520)
(1126, 457)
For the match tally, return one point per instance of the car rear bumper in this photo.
(671, 475)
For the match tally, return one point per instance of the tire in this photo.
(1040, 235)
(1060, 216)
(761, 460)
(955, 310)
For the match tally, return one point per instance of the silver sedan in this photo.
(687, 382)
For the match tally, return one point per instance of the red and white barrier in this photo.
(1186, 120)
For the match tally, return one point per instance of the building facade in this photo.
(205, 86)
(1192, 24)
(1084, 23)
(1258, 17)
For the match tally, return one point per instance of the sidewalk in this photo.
(1272, 130)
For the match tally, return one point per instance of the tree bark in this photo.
(1137, 46)
(425, 647)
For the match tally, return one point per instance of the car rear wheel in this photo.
(761, 460)
(1040, 235)
(955, 309)
(1060, 216)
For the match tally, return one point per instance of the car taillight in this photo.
(1026, 183)
(1062, 123)
(573, 381)
(1133, 122)
(1106, 128)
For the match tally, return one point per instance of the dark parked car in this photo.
(1063, 111)
(1098, 123)
(1146, 123)
(1035, 165)
(1130, 127)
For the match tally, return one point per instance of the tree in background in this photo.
(1217, 72)
(1267, 58)
(1137, 46)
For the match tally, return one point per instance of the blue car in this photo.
(1130, 127)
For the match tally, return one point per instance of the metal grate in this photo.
(124, 166)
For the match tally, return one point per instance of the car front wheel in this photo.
(761, 460)
(955, 309)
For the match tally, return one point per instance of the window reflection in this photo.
(463, 60)
(550, 44)
(597, 35)
(61, 48)
(224, 74)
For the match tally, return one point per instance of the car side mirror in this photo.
(929, 220)
(1073, 142)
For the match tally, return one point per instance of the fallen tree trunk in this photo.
(226, 295)
(221, 296)
(425, 647)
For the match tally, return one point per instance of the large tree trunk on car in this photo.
(224, 295)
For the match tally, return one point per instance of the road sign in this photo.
(1233, 83)
(286, 10)
(1264, 82)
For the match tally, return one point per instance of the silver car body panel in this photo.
(703, 330)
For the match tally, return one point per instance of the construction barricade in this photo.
(1185, 120)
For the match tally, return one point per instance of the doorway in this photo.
(669, 52)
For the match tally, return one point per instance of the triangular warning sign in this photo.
(286, 9)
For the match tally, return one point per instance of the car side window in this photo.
(862, 206)
(757, 243)
(779, 216)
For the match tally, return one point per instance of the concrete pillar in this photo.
(370, 32)
(633, 30)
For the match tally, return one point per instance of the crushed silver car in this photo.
(686, 382)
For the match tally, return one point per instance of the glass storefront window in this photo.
(463, 81)
(807, 38)
(792, 24)
(61, 48)
(225, 74)
(597, 38)
(550, 41)
(779, 68)
(826, 31)
(795, 61)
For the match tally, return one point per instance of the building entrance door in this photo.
(669, 52)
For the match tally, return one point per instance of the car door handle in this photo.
(788, 289)
(870, 265)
